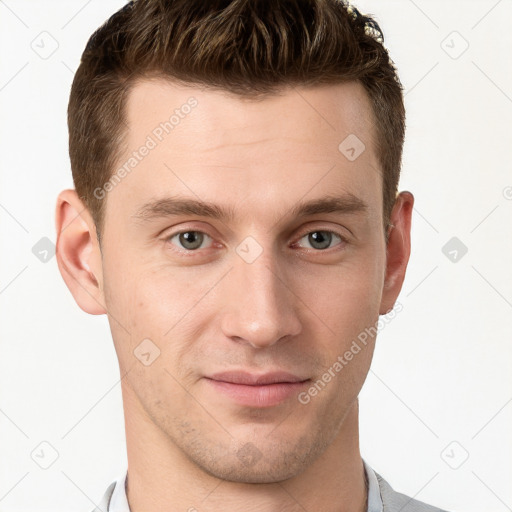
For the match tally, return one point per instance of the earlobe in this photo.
(398, 250)
(78, 253)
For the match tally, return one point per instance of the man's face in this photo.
(263, 291)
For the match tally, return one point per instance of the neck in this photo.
(162, 478)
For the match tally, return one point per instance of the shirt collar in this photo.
(119, 502)
(374, 497)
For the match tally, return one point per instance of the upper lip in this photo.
(253, 379)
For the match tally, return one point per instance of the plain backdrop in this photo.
(436, 408)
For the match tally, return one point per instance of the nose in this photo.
(260, 307)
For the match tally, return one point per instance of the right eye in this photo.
(189, 240)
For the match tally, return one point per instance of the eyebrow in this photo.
(347, 203)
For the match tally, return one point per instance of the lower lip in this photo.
(266, 395)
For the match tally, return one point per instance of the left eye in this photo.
(321, 239)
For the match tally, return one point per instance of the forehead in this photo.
(217, 146)
(294, 110)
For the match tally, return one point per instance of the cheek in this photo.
(346, 306)
(345, 298)
(152, 298)
(160, 305)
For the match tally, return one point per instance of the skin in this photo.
(295, 307)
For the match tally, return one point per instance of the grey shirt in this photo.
(381, 497)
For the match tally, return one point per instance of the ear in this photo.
(398, 250)
(78, 253)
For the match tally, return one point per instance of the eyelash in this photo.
(191, 252)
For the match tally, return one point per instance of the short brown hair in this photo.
(247, 47)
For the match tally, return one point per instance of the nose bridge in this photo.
(260, 306)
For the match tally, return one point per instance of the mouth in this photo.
(257, 390)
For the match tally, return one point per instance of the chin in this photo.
(270, 463)
(261, 473)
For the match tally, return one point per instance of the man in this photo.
(236, 216)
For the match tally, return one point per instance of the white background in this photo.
(440, 385)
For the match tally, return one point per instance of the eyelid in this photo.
(171, 231)
(314, 229)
